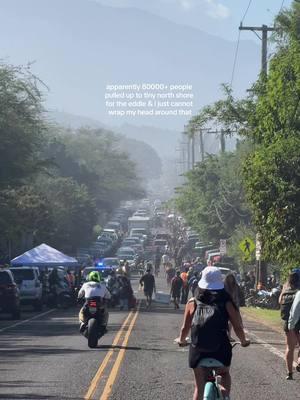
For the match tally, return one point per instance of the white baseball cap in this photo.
(211, 279)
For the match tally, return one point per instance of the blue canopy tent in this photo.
(44, 256)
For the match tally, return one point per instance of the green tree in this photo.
(21, 124)
(93, 158)
(212, 201)
(72, 211)
(24, 217)
(271, 172)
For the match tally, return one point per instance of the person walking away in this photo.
(165, 260)
(185, 286)
(157, 261)
(193, 283)
(54, 284)
(170, 273)
(93, 288)
(190, 272)
(71, 279)
(176, 287)
(294, 322)
(147, 281)
(125, 291)
(286, 299)
(207, 316)
(126, 269)
(232, 288)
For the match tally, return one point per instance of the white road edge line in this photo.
(27, 320)
(267, 346)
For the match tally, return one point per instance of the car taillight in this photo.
(11, 287)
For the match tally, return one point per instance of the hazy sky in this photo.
(220, 17)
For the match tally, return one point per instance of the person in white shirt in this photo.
(91, 289)
(165, 260)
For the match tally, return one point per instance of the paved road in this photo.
(46, 358)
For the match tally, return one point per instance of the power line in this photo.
(238, 45)
(282, 4)
(246, 12)
(235, 58)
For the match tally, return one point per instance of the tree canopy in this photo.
(55, 184)
(267, 123)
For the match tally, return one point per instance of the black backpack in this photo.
(286, 303)
(209, 325)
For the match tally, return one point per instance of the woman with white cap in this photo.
(207, 315)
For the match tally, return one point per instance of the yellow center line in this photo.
(114, 372)
(96, 379)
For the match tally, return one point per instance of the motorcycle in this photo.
(264, 299)
(59, 295)
(95, 320)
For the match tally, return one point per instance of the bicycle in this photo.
(212, 389)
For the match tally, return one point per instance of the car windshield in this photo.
(104, 272)
(5, 279)
(111, 261)
(126, 256)
(23, 274)
(160, 242)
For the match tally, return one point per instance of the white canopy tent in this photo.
(44, 256)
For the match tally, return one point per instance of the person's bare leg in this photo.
(291, 342)
(225, 381)
(199, 375)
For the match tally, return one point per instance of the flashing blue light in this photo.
(100, 265)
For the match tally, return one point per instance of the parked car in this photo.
(30, 286)
(9, 295)
(112, 262)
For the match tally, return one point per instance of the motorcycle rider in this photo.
(91, 289)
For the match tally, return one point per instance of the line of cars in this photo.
(209, 252)
(109, 240)
(129, 248)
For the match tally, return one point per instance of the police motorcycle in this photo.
(93, 314)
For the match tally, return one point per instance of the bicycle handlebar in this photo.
(188, 342)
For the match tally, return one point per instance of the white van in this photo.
(30, 286)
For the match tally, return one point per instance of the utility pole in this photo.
(193, 150)
(201, 145)
(188, 144)
(261, 265)
(222, 141)
(264, 41)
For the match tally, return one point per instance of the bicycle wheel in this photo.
(210, 391)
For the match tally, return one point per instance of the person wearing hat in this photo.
(147, 281)
(207, 316)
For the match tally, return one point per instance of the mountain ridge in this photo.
(80, 46)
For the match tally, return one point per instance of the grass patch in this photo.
(267, 317)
